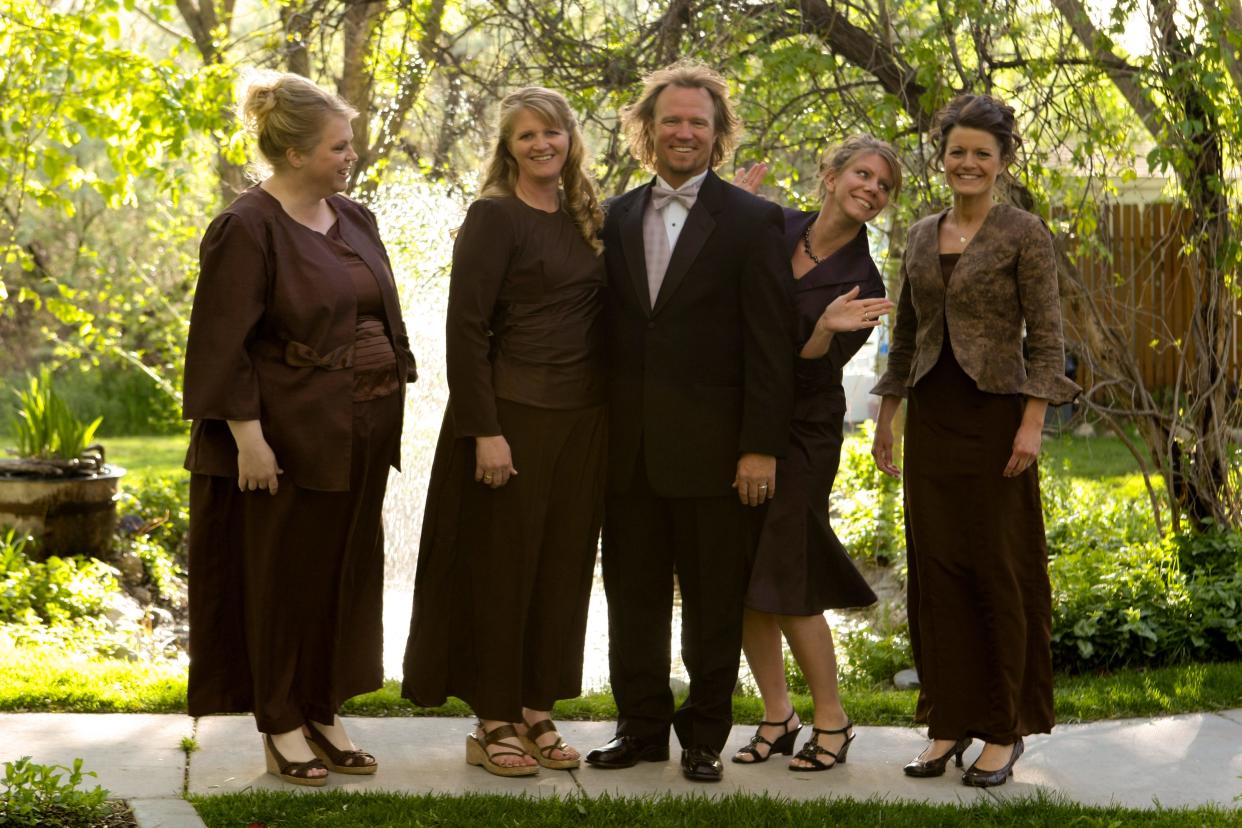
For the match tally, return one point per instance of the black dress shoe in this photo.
(626, 752)
(976, 778)
(701, 764)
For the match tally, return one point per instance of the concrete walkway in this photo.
(1188, 760)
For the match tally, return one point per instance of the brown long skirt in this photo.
(504, 575)
(800, 566)
(980, 605)
(286, 590)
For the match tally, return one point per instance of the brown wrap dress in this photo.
(800, 566)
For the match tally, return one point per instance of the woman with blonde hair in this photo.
(800, 567)
(295, 371)
(516, 495)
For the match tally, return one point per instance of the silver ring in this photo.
(763, 485)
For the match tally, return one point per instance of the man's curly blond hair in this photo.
(638, 119)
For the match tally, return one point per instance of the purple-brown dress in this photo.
(800, 566)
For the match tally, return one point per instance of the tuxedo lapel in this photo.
(700, 222)
(631, 229)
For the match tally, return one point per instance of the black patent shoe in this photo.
(926, 768)
(626, 752)
(976, 778)
(701, 764)
(750, 755)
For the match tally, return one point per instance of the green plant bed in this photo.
(378, 810)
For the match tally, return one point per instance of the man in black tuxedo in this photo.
(701, 344)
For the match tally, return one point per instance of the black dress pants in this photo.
(705, 541)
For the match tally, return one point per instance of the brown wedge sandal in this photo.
(476, 752)
(298, 773)
(357, 762)
(543, 755)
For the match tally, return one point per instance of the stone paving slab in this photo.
(165, 813)
(134, 755)
(1187, 760)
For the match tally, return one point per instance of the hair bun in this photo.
(258, 101)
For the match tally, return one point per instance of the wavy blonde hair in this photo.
(500, 178)
(638, 119)
(839, 156)
(284, 111)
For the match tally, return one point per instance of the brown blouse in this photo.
(375, 361)
(525, 296)
(272, 335)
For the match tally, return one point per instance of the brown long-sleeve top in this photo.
(1005, 281)
(525, 296)
(272, 338)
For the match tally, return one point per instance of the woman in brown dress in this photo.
(800, 567)
(294, 377)
(979, 600)
(515, 500)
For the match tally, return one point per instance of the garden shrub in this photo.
(127, 399)
(1136, 605)
(55, 591)
(867, 512)
(873, 654)
(35, 796)
(158, 509)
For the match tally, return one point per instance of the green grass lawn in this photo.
(381, 810)
(46, 679)
(148, 455)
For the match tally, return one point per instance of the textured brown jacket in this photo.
(1005, 277)
(272, 337)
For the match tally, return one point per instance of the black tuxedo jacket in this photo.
(708, 372)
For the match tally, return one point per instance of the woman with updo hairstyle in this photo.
(976, 276)
(800, 567)
(295, 373)
(515, 501)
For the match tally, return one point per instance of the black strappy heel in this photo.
(783, 744)
(812, 750)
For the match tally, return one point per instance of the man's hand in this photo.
(756, 478)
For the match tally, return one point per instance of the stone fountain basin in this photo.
(66, 515)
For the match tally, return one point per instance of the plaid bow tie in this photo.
(686, 194)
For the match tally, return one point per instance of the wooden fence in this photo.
(1144, 287)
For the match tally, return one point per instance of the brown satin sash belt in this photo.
(299, 355)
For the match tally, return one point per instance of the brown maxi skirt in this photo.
(286, 590)
(504, 575)
(980, 606)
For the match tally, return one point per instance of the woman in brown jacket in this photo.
(516, 495)
(979, 601)
(294, 377)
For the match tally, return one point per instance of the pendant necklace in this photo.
(806, 245)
